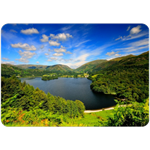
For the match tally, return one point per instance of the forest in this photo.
(128, 80)
(23, 105)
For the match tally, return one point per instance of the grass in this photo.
(89, 119)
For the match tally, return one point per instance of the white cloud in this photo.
(44, 38)
(5, 58)
(138, 48)
(78, 61)
(30, 31)
(81, 43)
(134, 34)
(24, 46)
(49, 60)
(66, 28)
(22, 59)
(113, 55)
(50, 50)
(140, 42)
(46, 54)
(61, 36)
(60, 50)
(54, 43)
(8, 62)
(118, 38)
(65, 60)
(25, 56)
(110, 53)
(37, 62)
(42, 46)
(128, 28)
(13, 31)
(53, 58)
(68, 52)
(117, 55)
(135, 46)
(58, 54)
(135, 30)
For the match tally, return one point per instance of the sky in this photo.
(70, 44)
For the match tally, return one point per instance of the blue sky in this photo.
(70, 44)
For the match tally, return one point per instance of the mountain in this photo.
(88, 67)
(32, 70)
(58, 68)
(54, 68)
(110, 62)
(8, 70)
(127, 79)
(30, 66)
(131, 61)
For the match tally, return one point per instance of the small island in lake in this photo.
(49, 77)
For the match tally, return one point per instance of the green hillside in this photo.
(30, 66)
(128, 78)
(32, 70)
(110, 62)
(9, 70)
(89, 67)
(54, 68)
(59, 68)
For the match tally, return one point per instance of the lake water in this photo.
(73, 89)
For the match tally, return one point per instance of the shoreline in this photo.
(98, 110)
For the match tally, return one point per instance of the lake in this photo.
(73, 89)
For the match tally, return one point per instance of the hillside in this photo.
(32, 70)
(58, 68)
(89, 67)
(128, 78)
(53, 68)
(130, 61)
(9, 70)
(110, 62)
(30, 66)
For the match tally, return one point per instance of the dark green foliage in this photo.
(134, 114)
(45, 78)
(54, 68)
(22, 96)
(88, 67)
(128, 79)
(80, 106)
(26, 71)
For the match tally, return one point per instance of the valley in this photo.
(126, 78)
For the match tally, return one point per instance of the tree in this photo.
(80, 106)
(135, 114)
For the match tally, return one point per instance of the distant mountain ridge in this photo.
(57, 67)
(89, 67)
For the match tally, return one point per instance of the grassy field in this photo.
(89, 119)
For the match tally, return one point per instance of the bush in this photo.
(135, 114)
